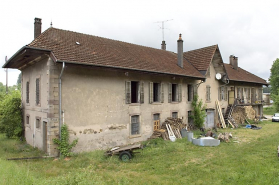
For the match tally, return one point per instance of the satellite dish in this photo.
(218, 76)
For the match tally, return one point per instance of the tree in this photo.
(274, 82)
(274, 77)
(199, 113)
(19, 81)
(10, 115)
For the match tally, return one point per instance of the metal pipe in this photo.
(60, 99)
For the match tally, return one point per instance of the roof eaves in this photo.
(125, 68)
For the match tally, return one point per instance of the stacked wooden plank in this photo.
(176, 125)
(220, 114)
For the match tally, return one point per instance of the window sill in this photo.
(207, 101)
(156, 103)
(134, 104)
(174, 102)
(134, 136)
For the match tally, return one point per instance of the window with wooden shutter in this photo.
(142, 92)
(170, 93)
(151, 92)
(225, 93)
(162, 93)
(37, 91)
(179, 92)
(135, 125)
(27, 92)
(128, 92)
(190, 91)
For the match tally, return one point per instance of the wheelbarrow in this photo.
(125, 152)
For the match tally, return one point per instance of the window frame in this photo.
(27, 120)
(27, 93)
(38, 91)
(190, 92)
(208, 93)
(131, 125)
(178, 93)
(38, 123)
(139, 92)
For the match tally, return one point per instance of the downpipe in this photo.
(60, 99)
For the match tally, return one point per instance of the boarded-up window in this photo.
(38, 123)
(134, 92)
(208, 98)
(27, 120)
(27, 92)
(135, 125)
(156, 118)
(37, 91)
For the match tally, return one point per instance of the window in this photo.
(38, 123)
(156, 92)
(207, 93)
(156, 118)
(240, 93)
(175, 93)
(27, 120)
(174, 115)
(134, 92)
(27, 92)
(223, 93)
(190, 92)
(135, 125)
(190, 119)
(37, 91)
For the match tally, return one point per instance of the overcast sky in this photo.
(247, 29)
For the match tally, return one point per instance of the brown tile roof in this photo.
(93, 50)
(242, 75)
(201, 58)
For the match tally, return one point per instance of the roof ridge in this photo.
(85, 34)
(216, 45)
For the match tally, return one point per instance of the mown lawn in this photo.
(250, 158)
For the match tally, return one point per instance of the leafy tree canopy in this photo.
(274, 77)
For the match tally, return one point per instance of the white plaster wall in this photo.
(95, 109)
(30, 73)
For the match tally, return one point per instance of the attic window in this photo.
(77, 43)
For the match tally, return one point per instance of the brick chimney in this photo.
(180, 51)
(163, 45)
(234, 61)
(37, 27)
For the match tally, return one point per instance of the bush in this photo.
(199, 113)
(10, 115)
(63, 143)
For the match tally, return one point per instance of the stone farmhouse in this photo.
(113, 93)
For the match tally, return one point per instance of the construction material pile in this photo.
(176, 124)
(240, 114)
(225, 136)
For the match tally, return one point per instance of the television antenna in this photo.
(163, 26)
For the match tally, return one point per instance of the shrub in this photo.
(10, 115)
(199, 113)
(63, 143)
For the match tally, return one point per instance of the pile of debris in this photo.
(225, 136)
(176, 125)
(240, 114)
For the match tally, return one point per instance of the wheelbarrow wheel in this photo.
(125, 156)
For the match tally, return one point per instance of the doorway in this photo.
(45, 136)
(231, 97)
(209, 120)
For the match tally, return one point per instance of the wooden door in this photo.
(156, 125)
(231, 97)
(45, 136)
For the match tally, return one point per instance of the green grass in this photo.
(250, 158)
(269, 110)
